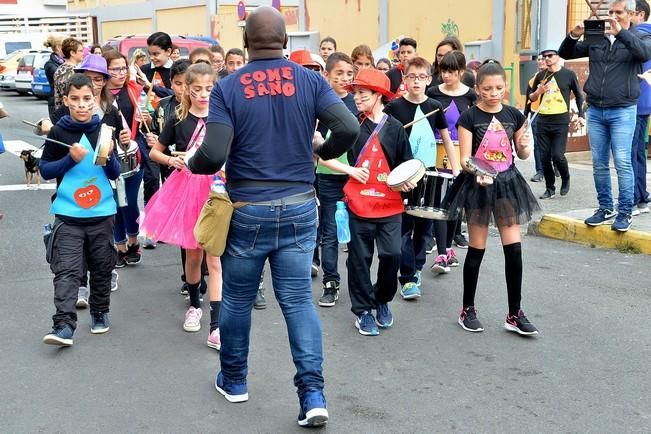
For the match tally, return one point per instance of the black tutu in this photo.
(507, 202)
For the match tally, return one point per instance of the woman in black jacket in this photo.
(53, 42)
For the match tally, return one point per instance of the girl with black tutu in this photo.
(488, 132)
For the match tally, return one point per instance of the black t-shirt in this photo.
(393, 139)
(164, 73)
(125, 105)
(477, 122)
(463, 102)
(395, 77)
(178, 133)
(405, 111)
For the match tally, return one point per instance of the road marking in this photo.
(22, 187)
(17, 146)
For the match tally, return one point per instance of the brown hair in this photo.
(335, 58)
(362, 50)
(69, 45)
(419, 62)
(216, 48)
(199, 51)
(194, 71)
(112, 55)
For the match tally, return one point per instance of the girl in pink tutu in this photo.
(171, 214)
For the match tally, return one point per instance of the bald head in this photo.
(265, 30)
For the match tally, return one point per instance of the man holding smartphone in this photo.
(612, 92)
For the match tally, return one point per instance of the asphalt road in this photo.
(588, 371)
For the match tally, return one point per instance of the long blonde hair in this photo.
(194, 71)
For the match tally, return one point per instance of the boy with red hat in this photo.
(375, 209)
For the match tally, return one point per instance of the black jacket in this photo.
(613, 80)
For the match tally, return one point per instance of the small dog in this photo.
(31, 167)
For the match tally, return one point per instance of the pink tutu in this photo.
(171, 214)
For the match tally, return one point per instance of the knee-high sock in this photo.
(471, 274)
(215, 306)
(193, 291)
(513, 272)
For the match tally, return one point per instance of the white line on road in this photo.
(16, 146)
(22, 187)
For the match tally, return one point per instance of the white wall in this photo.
(35, 8)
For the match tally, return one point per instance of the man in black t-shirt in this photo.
(553, 85)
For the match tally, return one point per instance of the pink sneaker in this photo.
(192, 321)
(440, 265)
(214, 341)
(452, 258)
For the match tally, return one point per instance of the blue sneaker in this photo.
(99, 322)
(233, 392)
(60, 335)
(600, 217)
(418, 278)
(384, 317)
(313, 409)
(622, 222)
(365, 323)
(410, 291)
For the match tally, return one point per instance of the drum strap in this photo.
(370, 138)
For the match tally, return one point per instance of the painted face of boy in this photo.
(365, 99)
(80, 102)
(340, 76)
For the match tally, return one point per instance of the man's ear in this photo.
(246, 42)
(285, 42)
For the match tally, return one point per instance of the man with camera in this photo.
(612, 88)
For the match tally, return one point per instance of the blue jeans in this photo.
(331, 189)
(638, 160)
(126, 219)
(286, 235)
(611, 130)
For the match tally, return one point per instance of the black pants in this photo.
(364, 233)
(552, 139)
(74, 245)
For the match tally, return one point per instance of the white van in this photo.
(11, 42)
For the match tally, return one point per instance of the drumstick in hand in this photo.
(420, 119)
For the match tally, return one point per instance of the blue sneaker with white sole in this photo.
(410, 291)
(313, 409)
(233, 392)
(365, 324)
(384, 317)
(60, 335)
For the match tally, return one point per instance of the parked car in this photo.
(127, 44)
(40, 86)
(10, 64)
(32, 60)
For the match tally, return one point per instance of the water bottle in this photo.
(341, 217)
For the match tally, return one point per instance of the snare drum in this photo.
(129, 161)
(103, 145)
(425, 200)
(442, 159)
(409, 171)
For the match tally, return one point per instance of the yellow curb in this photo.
(569, 229)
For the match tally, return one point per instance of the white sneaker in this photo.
(641, 209)
(114, 281)
(192, 321)
(82, 298)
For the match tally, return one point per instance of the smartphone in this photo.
(595, 31)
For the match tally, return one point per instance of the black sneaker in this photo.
(460, 241)
(330, 294)
(537, 177)
(121, 259)
(520, 324)
(600, 217)
(133, 254)
(60, 335)
(548, 194)
(468, 320)
(565, 187)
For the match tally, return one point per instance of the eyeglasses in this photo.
(121, 69)
(420, 77)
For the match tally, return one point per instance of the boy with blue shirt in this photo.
(84, 211)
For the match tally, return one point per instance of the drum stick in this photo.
(138, 110)
(54, 141)
(420, 119)
(31, 124)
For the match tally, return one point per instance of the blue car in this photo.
(40, 85)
